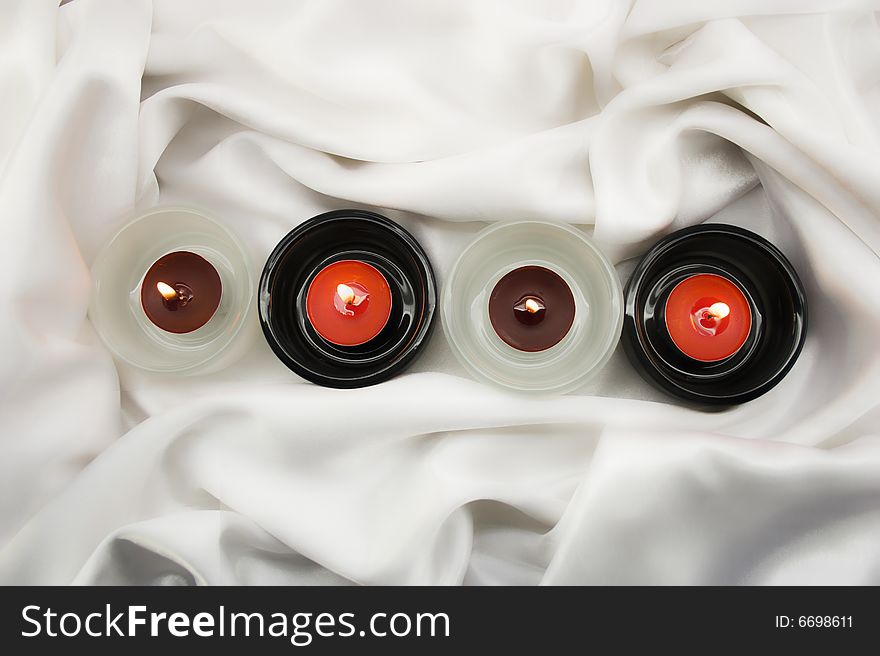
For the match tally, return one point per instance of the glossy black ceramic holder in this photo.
(772, 289)
(329, 238)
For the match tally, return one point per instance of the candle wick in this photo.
(533, 306)
(175, 297)
(530, 304)
(167, 291)
(346, 293)
(349, 295)
(530, 310)
(718, 310)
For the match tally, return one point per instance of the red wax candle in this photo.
(348, 302)
(708, 317)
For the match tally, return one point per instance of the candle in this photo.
(715, 314)
(531, 308)
(708, 317)
(349, 302)
(347, 299)
(172, 292)
(181, 292)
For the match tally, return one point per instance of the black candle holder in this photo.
(332, 237)
(771, 286)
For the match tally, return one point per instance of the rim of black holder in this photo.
(772, 288)
(350, 234)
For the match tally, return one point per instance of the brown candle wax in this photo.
(531, 308)
(181, 292)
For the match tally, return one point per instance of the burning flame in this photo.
(168, 292)
(531, 305)
(346, 293)
(719, 310)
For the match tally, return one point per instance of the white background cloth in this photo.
(633, 118)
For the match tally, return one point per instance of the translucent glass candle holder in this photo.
(117, 276)
(567, 252)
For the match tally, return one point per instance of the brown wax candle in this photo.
(181, 292)
(531, 308)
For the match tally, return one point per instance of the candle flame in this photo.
(532, 306)
(346, 293)
(168, 292)
(529, 305)
(719, 310)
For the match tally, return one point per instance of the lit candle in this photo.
(349, 302)
(358, 320)
(181, 292)
(708, 317)
(531, 308)
(715, 315)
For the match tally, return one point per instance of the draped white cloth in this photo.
(630, 118)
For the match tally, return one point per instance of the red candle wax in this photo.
(708, 317)
(348, 303)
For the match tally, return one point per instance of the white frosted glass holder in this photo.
(504, 247)
(117, 275)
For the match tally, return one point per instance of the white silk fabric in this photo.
(627, 119)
